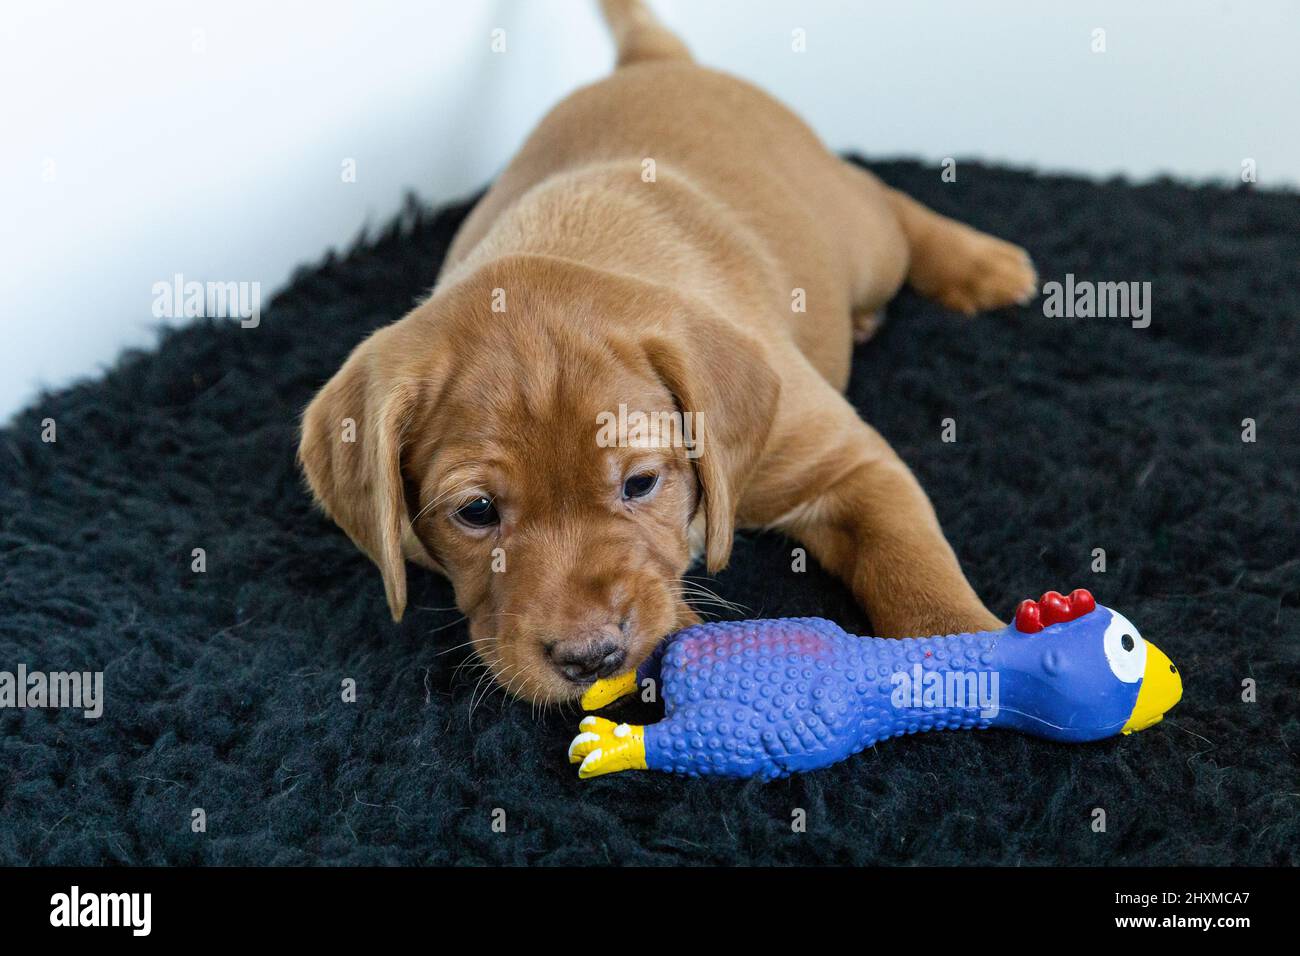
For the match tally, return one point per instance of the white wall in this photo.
(142, 138)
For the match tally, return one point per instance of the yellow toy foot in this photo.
(607, 690)
(603, 746)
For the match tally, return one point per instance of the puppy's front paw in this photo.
(937, 620)
(969, 623)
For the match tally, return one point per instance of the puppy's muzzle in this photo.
(585, 659)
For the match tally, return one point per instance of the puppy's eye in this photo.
(638, 486)
(479, 513)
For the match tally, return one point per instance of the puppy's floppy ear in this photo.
(724, 379)
(350, 451)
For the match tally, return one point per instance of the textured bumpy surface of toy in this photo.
(771, 698)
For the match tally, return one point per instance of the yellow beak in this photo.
(1162, 687)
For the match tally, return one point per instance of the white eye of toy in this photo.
(1126, 651)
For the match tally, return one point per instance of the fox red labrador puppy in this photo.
(670, 244)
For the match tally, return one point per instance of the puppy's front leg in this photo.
(870, 523)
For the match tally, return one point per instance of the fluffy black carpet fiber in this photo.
(223, 690)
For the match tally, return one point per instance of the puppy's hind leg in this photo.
(959, 267)
(947, 261)
(876, 247)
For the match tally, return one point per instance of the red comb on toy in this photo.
(1052, 608)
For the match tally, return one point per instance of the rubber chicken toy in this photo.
(771, 698)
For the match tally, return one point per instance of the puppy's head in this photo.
(555, 440)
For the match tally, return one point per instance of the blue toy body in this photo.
(771, 698)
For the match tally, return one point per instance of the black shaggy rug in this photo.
(223, 689)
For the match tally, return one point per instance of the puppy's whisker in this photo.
(474, 661)
(701, 612)
(475, 699)
(452, 623)
(696, 600)
(498, 685)
(692, 582)
(474, 668)
(706, 595)
(510, 687)
(455, 647)
(494, 673)
(472, 694)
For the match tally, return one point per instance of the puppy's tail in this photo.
(639, 35)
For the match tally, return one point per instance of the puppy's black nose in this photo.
(586, 663)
